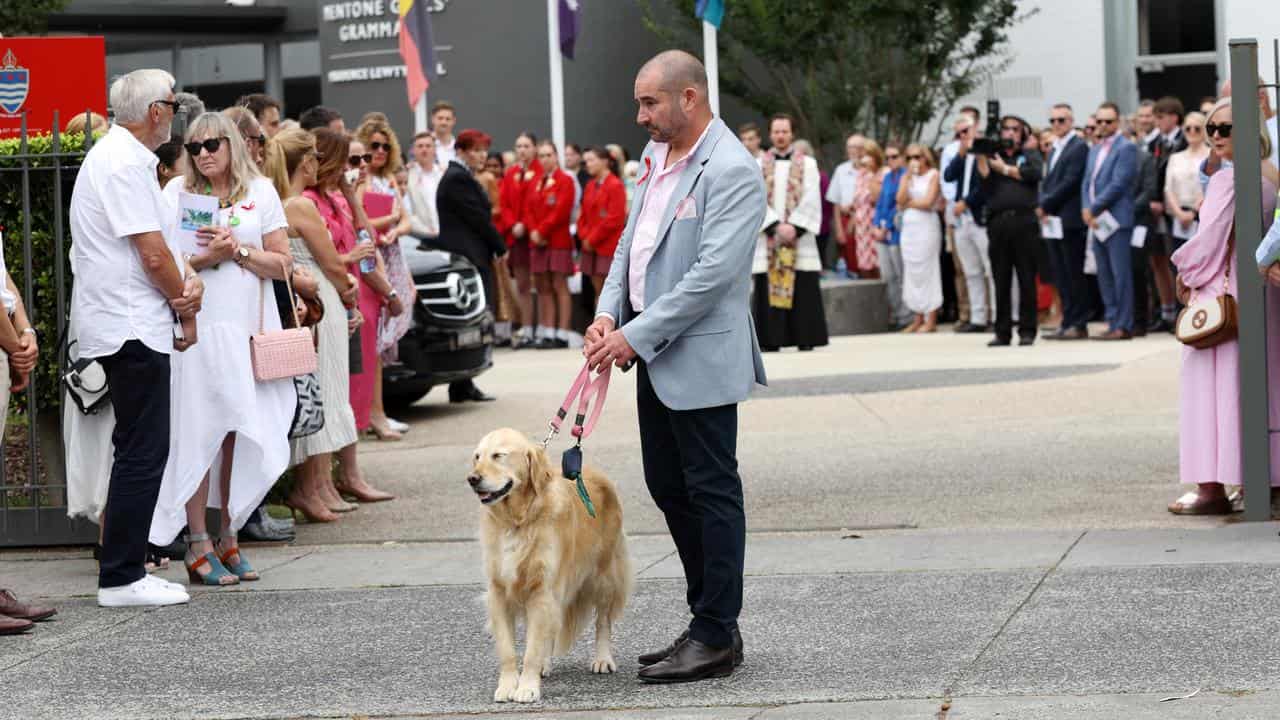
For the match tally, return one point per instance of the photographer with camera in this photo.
(1010, 172)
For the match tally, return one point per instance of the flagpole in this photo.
(711, 59)
(557, 76)
(420, 115)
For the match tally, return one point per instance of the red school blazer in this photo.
(603, 215)
(512, 189)
(548, 205)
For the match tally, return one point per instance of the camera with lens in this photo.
(991, 143)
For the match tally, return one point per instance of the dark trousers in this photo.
(1141, 294)
(1066, 256)
(139, 380)
(691, 468)
(1013, 236)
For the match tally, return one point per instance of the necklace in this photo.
(224, 204)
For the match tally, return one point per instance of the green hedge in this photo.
(43, 248)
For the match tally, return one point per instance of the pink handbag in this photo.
(281, 353)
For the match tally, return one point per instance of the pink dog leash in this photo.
(584, 389)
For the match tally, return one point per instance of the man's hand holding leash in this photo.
(603, 344)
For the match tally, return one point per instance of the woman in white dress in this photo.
(921, 240)
(225, 423)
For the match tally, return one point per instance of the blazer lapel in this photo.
(688, 178)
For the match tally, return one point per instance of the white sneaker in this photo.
(398, 426)
(165, 584)
(143, 593)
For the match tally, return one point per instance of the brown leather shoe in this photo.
(10, 606)
(13, 626)
(1114, 335)
(659, 655)
(692, 661)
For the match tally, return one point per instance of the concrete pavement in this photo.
(938, 530)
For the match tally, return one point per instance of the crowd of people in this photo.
(1119, 219)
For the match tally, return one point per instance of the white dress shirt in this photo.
(844, 182)
(117, 195)
(445, 152)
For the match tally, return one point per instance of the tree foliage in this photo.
(27, 17)
(885, 67)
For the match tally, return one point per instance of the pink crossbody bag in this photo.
(281, 354)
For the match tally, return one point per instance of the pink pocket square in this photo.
(687, 209)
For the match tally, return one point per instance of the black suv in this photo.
(452, 333)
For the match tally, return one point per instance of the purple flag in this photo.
(569, 26)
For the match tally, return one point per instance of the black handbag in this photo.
(86, 382)
(308, 416)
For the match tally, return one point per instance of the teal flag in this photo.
(711, 11)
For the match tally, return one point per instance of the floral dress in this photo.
(860, 254)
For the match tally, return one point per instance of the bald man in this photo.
(676, 303)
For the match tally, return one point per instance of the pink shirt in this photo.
(657, 195)
(1103, 151)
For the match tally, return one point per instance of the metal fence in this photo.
(33, 485)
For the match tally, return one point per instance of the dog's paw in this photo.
(506, 690)
(527, 694)
(603, 665)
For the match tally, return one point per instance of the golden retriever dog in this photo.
(549, 563)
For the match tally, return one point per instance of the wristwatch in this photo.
(242, 256)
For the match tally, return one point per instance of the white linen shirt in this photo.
(844, 182)
(446, 152)
(117, 195)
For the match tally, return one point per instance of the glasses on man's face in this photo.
(356, 160)
(1222, 130)
(173, 104)
(1059, 120)
(1107, 121)
(211, 146)
(376, 146)
(1089, 129)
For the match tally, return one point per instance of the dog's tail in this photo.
(575, 617)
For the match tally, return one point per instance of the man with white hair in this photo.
(131, 308)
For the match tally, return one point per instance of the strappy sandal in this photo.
(241, 567)
(217, 576)
(1192, 504)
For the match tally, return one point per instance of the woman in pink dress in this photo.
(1209, 396)
(331, 200)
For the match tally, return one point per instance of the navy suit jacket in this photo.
(1115, 182)
(953, 172)
(1060, 193)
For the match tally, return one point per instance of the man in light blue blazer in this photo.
(676, 302)
(1108, 187)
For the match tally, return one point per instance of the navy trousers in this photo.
(691, 468)
(139, 380)
(1115, 279)
(1066, 256)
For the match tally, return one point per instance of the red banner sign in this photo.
(41, 75)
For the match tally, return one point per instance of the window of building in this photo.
(1171, 27)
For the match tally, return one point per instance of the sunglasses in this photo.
(1089, 129)
(261, 138)
(1107, 121)
(173, 104)
(1059, 120)
(355, 160)
(376, 146)
(211, 145)
(1222, 130)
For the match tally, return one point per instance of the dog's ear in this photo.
(539, 469)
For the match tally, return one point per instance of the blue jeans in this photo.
(1115, 279)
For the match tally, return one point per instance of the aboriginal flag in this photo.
(416, 47)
